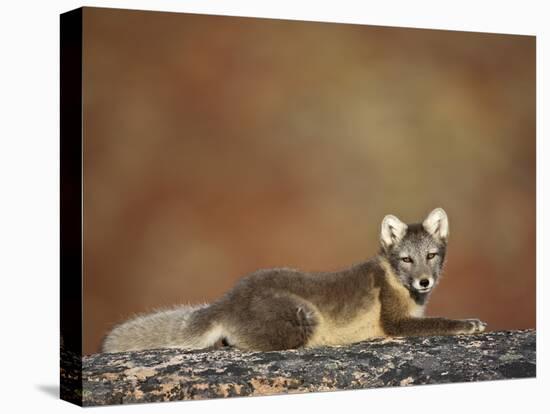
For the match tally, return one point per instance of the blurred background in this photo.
(215, 146)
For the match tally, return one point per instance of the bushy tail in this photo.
(170, 328)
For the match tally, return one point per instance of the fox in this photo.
(283, 308)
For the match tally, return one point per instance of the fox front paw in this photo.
(472, 326)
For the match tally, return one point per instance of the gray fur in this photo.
(283, 308)
(161, 329)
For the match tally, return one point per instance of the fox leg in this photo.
(273, 322)
(433, 326)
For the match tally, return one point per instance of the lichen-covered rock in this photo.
(172, 374)
(71, 376)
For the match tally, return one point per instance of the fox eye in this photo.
(430, 256)
(407, 259)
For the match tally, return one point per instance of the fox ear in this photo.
(393, 230)
(437, 224)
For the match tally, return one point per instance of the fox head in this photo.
(416, 252)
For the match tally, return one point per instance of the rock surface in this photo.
(172, 374)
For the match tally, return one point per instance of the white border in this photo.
(29, 169)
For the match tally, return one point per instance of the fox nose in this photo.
(424, 283)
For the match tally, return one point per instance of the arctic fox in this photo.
(284, 308)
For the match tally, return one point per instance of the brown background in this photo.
(215, 146)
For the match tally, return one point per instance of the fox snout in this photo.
(423, 283)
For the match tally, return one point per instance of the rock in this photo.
(172, 374)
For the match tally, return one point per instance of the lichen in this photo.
(174, 374)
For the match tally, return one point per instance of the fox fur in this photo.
(283, 308)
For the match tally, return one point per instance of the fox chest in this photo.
(365, 324)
